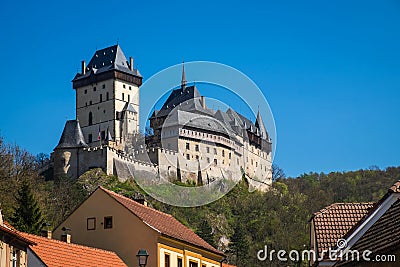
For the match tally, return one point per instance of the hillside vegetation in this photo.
(240, 224)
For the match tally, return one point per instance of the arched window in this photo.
(90, 118)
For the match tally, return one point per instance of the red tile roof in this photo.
(162, 222)
(56, 253)
(8, 229)
(334, 221)
(227, 265)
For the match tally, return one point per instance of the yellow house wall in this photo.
(188, 253)
(127, 236)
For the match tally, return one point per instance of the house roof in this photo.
(10, 231)
(57, 253)
(164, 223)
(72, 136)
(383, 234)
(227, 265)
(334, 221)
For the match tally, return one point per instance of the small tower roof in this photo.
(260, 125)
(129, 107)
(72, 136)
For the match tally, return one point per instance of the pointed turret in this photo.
(72, 136)
(183, 81)
(260, 125)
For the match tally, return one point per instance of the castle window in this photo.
(223, 153)
(180, 262)
(130, 88)
(123, 97)
(90, 102)
(208, 160)
(187, 146)
(256, 163)
(101, 98)
(208, 150)
(123, 85)
(90, 138)
(94, 89)
(197, 147)
(90, 117)
(215, 161)
(197, 156)
(108, 222)
(251, 161)
(129, 98)
(85, 92)
(230, 155)
(187, 156)
(104, 86)
(215, 151)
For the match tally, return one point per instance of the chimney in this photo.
(66, 238)
(131, 63)
(203, 102)
(83, 67)
(47, 233)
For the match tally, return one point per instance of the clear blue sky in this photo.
(329, 69)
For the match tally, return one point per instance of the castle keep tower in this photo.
(107, 97)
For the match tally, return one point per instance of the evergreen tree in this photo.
(205, 232)
(239, 244)
(27, 216)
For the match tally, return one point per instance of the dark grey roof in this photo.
(72, 136)
(110, 58)
(184, 107)
(260, 125)
(193, 120)
(185, 98)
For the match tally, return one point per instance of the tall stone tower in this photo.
(107, 98)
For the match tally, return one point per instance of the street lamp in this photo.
(142, 256)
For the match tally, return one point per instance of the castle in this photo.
(189, 141)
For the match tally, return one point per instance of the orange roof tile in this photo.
(162, 222)
(227, 265)
(56, 253)
(334, 221)
(7, 228)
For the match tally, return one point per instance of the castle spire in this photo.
(183, 81)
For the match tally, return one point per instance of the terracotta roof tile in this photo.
(162, 222)
(56, 253)
(7, 228)
(227, 265)
(334, 221)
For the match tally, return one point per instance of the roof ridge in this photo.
(65, 243)
(133, 201)
(329, 207)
